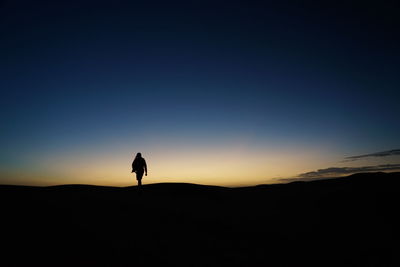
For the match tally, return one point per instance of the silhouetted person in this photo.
(139, 166)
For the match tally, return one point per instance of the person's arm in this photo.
(145, 166)
(132, 165)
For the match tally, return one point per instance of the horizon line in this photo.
(283, 181)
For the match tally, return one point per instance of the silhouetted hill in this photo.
(350, 221)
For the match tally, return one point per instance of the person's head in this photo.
(139, 155)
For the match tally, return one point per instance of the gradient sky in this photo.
(234, 93)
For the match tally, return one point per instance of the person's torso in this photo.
(139, 164)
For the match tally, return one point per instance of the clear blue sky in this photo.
(206, 90)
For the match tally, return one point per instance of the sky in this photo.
(229, 93)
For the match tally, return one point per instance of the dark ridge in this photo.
(354, 178)
(349, 221)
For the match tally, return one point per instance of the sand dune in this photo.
(348, 221)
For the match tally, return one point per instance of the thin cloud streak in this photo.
(393, 152)
(340, 171)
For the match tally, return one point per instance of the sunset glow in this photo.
(237, 95)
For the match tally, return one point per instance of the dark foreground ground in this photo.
(340, 222)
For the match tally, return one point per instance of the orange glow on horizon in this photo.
(231, 165)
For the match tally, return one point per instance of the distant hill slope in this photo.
(350, 221)
(375, 178)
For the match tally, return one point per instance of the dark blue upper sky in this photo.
(76, 75)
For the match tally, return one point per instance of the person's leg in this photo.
(139, 176)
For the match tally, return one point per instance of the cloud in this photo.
(333, 172)
(393, 152)
(340, 171)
